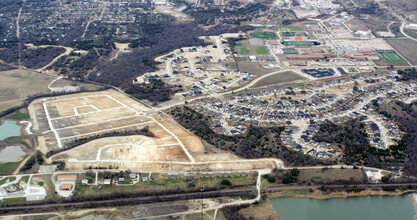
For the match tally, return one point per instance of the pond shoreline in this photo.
(319, 195)
(364, 196)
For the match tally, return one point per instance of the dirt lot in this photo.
(330, 175)
(263, 210)
(254, 68)
(18, 84)
(279, 78)
(406, 47)
(77, 116)
(65, 82)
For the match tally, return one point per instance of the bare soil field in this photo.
(65, 83)
(63, 120)
(81, 115)
(263, 210)
(254, 68)
(18, 84)
(330, 175)
(405, 47)
(279, 78)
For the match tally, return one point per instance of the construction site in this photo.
(106, 130)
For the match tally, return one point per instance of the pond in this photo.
(11, 154)
(93, 217)
(358, 208)
(9, 129)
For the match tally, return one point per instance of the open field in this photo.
(265, 35)
(18, 84)
(279, 78)
(254, 68)
(159, 182)
(243, 50)
(330, 175)
(411, 32)
(406, 47)
(291, 28)
(65, 83)
(262, 50)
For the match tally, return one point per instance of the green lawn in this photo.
(243, 50)
(8, 168)
(17, 116)
(266, 35)
(4, 180)
(391, 56)
(261, 50)
(291, 28)
(24, 179)
(14, 200)
(297, 43)
(288, 34)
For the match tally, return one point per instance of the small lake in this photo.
(93, 217)
(11, 154)
(9, 129)
(357, 208)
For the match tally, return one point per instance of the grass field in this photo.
(406, 47)
(18, 115)
(4, 180)
(391, 56)
(160, 183)
(411, 32)
(278, 78)
(291, 28)
(265, 35)
(288, 34)
(298, 43)
(18, 84)
(243, 50)
(262, 50)
(8, 168)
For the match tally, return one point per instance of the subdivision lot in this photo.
(71, 117)
(406, 48)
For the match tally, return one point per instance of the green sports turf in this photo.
(263, 34)
(391, 56)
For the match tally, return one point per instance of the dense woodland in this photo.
(155, 86)
(405, 115)
(258, 142)
(30, 58)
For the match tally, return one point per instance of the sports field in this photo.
(266, 35)
(391, 56)
(291, 28)
(298, 43)
(288, 34)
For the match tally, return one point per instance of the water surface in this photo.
(9, 129)
(357, 208)
(11, 154)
